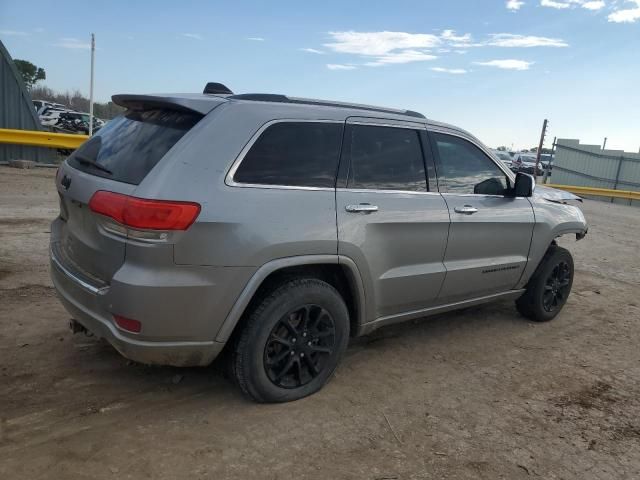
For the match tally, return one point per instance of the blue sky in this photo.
(494, 67)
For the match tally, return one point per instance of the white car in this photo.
(42, 105)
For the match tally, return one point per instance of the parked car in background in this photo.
(68, 121)
(42, 105)
(280, 227)
(526, 163)
(504, 157)
(51, 116)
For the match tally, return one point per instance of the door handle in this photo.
(466, 210)
(361, 208)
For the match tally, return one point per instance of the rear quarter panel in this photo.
(240, 226)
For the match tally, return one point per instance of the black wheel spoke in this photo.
(320, 349)
(313, 369)
(286, 368)
(277, 339)
(279, 357)
(305, 313)
(286, 322)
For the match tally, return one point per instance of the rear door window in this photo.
(384, 158)
(299, 154)
(129, 146)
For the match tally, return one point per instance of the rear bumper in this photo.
(92, 306)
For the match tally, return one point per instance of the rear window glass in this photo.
(301, 154)
(129, 146)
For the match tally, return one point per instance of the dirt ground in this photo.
(477, 394)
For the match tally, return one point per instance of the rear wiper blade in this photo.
(93, 163)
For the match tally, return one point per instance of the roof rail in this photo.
(271, 97)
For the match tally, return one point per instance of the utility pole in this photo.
(93, 55)
(604, 144)
(542, 135)
(547, 172)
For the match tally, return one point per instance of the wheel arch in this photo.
(340, 272)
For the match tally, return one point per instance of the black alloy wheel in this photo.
(556, 288)
(299, 346)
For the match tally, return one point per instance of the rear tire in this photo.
(549, 287)
(292, 341)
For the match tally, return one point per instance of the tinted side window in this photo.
(303, 154)
(464, 168)
(384, 158)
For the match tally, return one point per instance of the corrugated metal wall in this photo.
(16, 111)
(590, 166)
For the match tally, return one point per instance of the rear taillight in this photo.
(128, 324)
(144, 214)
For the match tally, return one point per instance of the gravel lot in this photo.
(480, 393)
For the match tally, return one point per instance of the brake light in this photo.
(128, 324)
(145, 214)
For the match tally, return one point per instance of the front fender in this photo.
(553, 220)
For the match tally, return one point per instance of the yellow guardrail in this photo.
(598, 192)
(41, 139)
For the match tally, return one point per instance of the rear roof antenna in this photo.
(217, 88)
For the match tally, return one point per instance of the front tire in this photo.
(292, 341)
(549, 287)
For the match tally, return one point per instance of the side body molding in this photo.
(268, 268)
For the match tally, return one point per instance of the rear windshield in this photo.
(129, 146)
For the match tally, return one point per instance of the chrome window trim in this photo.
(230, 182)
(484, 195)
(373, 190)
(510, 175)
(417, 126)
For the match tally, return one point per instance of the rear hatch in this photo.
(116, 159)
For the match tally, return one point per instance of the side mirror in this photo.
(524, 186)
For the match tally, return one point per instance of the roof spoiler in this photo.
(202, 105)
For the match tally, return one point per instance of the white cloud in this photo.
(454, 71)
(195, 36)
(403, 56)
(563, 4)
(514, 5)
(255, 39)
(594, 5)
(626, 15)
(514, 40)
(554, 4)
(386, 48)
(337, 66)
(311, 50)
(507, 64)
(451, 37)
(379, 43)
(377, 49)
(72, 44)
(13, 33)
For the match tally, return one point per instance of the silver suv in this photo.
(276, 228)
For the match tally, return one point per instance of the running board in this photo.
(425, 312)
